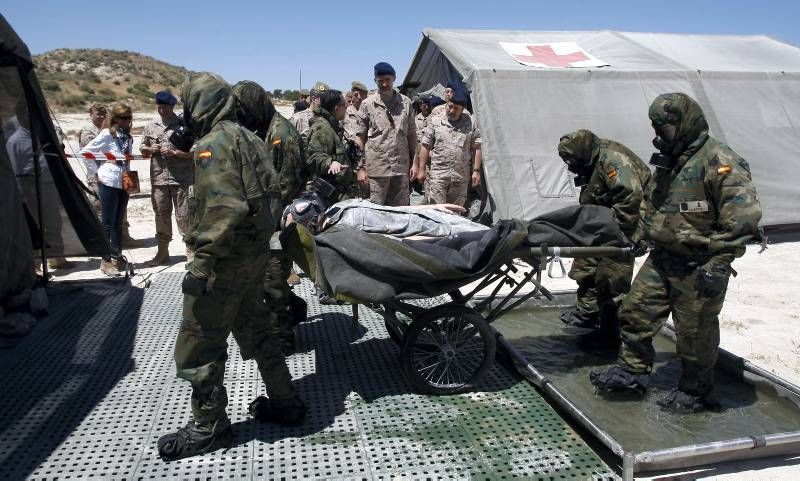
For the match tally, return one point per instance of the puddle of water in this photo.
(749, 409)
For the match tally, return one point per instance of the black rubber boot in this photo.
(298, 308)
(578, 318)
(677, 401)
(194, 439)
(619, 380)
(286, 412)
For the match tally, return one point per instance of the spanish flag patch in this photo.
(612, 173)
(276, 142)
(725, 169)
(205, 154)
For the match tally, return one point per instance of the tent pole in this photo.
(37, 172)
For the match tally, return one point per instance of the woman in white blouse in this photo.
(112, 146)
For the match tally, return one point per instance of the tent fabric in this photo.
(748, 86)
(36, 174)
(359, 266)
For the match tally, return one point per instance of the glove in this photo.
(193, 285)
(710, 283)
(640, 248)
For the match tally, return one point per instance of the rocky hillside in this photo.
(74, 78)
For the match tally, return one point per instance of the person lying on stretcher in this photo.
(409, 222)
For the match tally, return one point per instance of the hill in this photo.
(72, 79)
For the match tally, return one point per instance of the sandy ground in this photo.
(758, 322)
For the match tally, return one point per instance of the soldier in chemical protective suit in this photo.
(610, 175)
(699, 210)
(233, 217)
(255, 112)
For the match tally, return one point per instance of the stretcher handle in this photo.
(578, 251)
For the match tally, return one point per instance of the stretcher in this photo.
(443, 328)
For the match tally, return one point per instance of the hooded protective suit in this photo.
(698, 215)
(256, 112)
(325, 146)
(231, 226)
(616, 179)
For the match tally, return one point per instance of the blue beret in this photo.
(435, 100)
(165, 98)
(452, 84)
(459, 97)
(383, 68)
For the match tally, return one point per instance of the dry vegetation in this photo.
(72, 79)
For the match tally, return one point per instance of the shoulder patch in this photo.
(612, 173)
(725, 169)
(276, 141)
(205, 154)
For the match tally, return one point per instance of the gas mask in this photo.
(307, 210)
(582, 170)
(665, 141)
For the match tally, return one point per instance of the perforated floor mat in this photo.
(89, 395)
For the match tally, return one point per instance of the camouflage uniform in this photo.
(324, 147)
(232, 220)
(255, 110)
(301, 122)
(86, 135)
(170, 178)
(698, 215)
(617, 181)
(391, 141)
(350, 123)
(451, 144)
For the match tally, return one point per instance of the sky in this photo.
(338, 42)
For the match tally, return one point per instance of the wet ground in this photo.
(748, 409)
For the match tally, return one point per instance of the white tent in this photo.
(748, 86)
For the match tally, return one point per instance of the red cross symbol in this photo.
(545, 55)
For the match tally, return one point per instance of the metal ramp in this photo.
(90, 391)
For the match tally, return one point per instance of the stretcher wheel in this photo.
(447, 350)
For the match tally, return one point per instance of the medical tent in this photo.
(748, 86)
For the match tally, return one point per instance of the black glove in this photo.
(193, 285)
(640, 248)
(710, 283)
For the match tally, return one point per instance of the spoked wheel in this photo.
(447, 350)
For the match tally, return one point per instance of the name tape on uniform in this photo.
(694, 206)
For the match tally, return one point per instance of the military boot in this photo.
(108, 268)
(578, 318)
(619, 380)
(59, 263)
(286, 412)
(194, 439)
(681, 402)
(128, 241)
(162, 256)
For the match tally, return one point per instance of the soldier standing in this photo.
(699, 210)
(449, 142)
(171, 174)
(388, 137)
(611, 175)
(358, 93)
(233, 219)
(327, 155)
(256, 113)
(97, 114)
(301, 120)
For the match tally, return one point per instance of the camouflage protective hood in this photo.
(254, 109)
(682, 111)
(207, 100)
(578, 146)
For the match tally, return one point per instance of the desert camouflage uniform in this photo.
(256, 111)
(301, 122)
(698, 215)
(391, 141)
(86, 135)
(350, 123)
(170, 178)
(450, 171)
(324, 147)
(617, 181)
(234, 213)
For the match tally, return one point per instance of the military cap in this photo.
(383, 68)
(452, 84)
(304, 92)
(356, 85)
(96, 106)
(165, 98)
(459, 97)
(319, 88)
(435, 100)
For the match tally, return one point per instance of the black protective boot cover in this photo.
(619, 380)
(578, 318)
(298, 309)
(193, 440)
(681, 402)
(286, 412)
